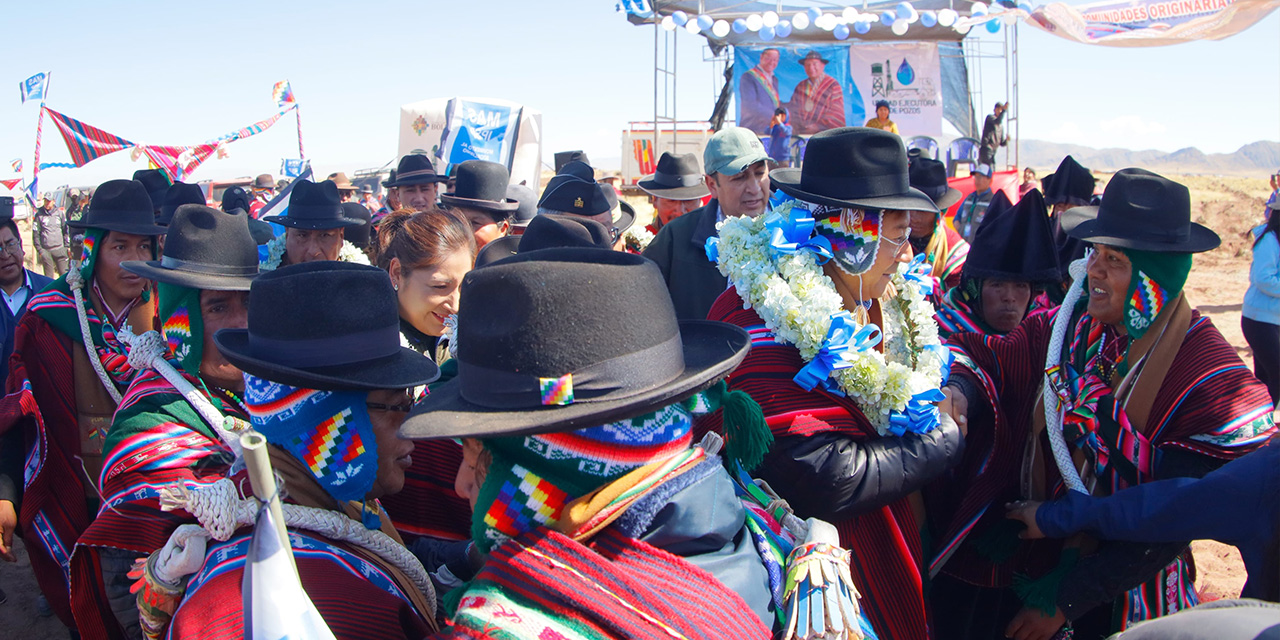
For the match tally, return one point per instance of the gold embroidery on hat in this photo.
(577, 202)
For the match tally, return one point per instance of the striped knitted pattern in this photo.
(524, 501)
(610, 450)
(854, 235)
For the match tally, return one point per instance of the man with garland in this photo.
(314, 228)
(1010, 263)
(326, 383)
(580, 462)
(157, 437)
(943, 249)
(66, 376)
(1144, 388)
(737, 176)
(845, 360)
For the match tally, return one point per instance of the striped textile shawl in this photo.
(157, 439)
(1210, 404)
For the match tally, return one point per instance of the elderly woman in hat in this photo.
(1124, 385)
(158, 435)
(845, 359)
(315, 225)
(580, 464)
(66, 377)
(1010, 263)
(943, 249)
(326, 383)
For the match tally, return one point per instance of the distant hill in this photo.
(1254, 159)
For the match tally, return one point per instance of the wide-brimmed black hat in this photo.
(813, 55)
(314, 205)
(1144, 211)
(391, 179)
(325, 325)
(1015, 244)
(676, 178)
(481, 185)
(623, 214)
(930, 177)
(415, 168)
(123, 206)
(357, 235)
(854, 167)
(1070, 183)
(237, 200)
(528, 204)
(549, 231)
(179, 193)
(156, 184)
(204, 249)
(544, 345)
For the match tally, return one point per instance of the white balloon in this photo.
(915, 15)
(899, 27)
(978, 9)
(963, 28)
(692, 27)
(720, 29)
(770, 19)
(947, 17)
(849, 14)
(800, 22)
(668, 23)
(826, 22)
(754, 22)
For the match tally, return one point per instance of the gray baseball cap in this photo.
(732, 149)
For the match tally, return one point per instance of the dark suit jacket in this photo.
(11, 444)
(680, 251)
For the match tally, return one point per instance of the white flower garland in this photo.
(796, 301)
(275, 254)
(637, 238)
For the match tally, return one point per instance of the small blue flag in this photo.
(291, 167)
(33, 88)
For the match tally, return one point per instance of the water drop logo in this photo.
(906, 75)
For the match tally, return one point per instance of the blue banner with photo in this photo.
(480, 131)
(812, 83)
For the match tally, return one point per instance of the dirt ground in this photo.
(1228, 205)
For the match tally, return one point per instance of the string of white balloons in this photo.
(769, 25)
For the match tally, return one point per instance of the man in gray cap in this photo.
(737, 176)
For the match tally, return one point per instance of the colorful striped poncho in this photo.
(954, 312)
(946, 251)
(1209, 405)
(157, 439)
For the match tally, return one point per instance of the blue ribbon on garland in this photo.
(844, 338)
(921, 413)
(793, 234)
(920, 273)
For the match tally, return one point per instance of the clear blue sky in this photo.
(184, 72)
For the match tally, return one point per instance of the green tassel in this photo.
(1000, 542)
(452, 598)
(746, 434)
(1042, 593)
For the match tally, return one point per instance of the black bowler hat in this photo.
(544, 345)
(854, 167)
(204, 249)
(571, 194)
(548, 231)
(930, 177)
(123, 206)
(391, 179)
(414, 168)
(6, 207)
(481, 185)
(325, 325)
(676, 178)
(359, 235)
(314, 205)
(623, 214)
(156, 183)
(236, 200)
(1144, 211)
(528, 204)
(1071, 183)
(179, 193)
(1016, 244)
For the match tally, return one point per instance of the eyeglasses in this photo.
(12, 247)
(897, 244)
(398, 408)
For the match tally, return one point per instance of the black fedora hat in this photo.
(314, 205)
(357, 235)
(565, 157)
(813, 55)
(156, 184)
(481, 185)
(496, 250)
(415, 168)
(123, 206)
(179, 193)
(930, 177)
(1016, 243)
(854, 167)
(325, 325)
(236, 200)
(204, 249)
(391, 179)
(676, 178)
(522, 368)
(623, 214)
(528, 204)
(1144, 211)
(549, 231)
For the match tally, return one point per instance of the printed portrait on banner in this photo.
(811, 82)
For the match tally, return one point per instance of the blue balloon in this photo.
(1025, 6)
(783, 29)
(705, 22)
(739, 26)
(862, 27)
(928, 18)
(680, 18)
(766, 33)
(904, 10)
(993, 26)
(841, 32)
(814, 14)
(887, 18)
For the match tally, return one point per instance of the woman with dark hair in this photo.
(1260, 314)
(427, 254)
